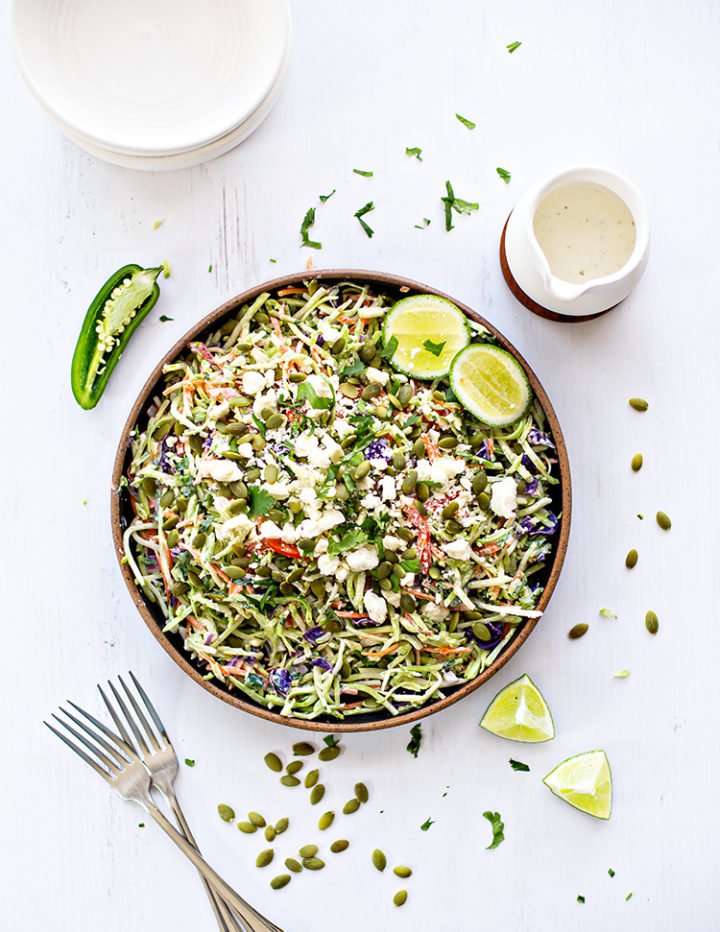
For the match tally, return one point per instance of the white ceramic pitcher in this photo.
(529, 269)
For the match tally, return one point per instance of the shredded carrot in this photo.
(375, 654)
(432, 450)
(417, 594)
(286, 291)
(352, 705)
(351, 614)
(446, 651)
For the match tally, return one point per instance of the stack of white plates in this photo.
(154, 84)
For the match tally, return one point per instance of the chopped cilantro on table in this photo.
(164, 318)
(359, 171)
(434, 348)
(423, 225)
(581, 898)
(628, 897)
(326, 197)
(308, 221)
(512, 46)
(415, 740)
(611, 872)
(361, 213)
(497, 828)
(457, 204)
(465, 122)
(330, 740)
(414, 151)
(518, 765)
(426, 824)
(210, 267)
(158, 224)
(190, 762)
(505, 175)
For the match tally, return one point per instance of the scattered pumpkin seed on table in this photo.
(352, 805)
(400, 898)
(273, 762)
(226, 813)
(257, 820)
(637, 462)
(311, 778)
(281, 825)
(308, 851)
(293, 767)
(361, 792)
(293, 865)
(631, 559)
(379, 860)
(316, 794)
(663, 520)
(247, 828)
(639, 404)
(270, 833)
(282, 880)
(326, 820)
(302, 748)
(340, 845)
(577, 631)
(402, 871)
(313, 864)
(652, 623)
(264, 858)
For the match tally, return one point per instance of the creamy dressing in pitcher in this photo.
(585, 230)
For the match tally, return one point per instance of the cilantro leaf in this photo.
(611, 872)
(457, 204)
(330, 740)
(581, 898)
(434, 348)
(306, 392)
(465, 122)
(518, 765)
(164, 318)
(359, 171)
(505, 175)
(360, 213)
(411, 566)
(190, 762)
(513, 45)
(414, 152)
(326, 197)
(426, 824)
(260, 501)
(607, 613)
(355, 368)
(414, 745)
(423, 225)
(348, 541)
(497, 828)
(308, 221)
(388, 351)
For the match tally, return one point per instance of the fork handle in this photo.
(254, 921)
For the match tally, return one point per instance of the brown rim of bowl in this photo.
(392, 283)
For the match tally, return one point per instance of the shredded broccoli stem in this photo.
(253, 449)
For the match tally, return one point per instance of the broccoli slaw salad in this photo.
(328, 536)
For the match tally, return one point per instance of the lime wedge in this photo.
(491, 384)
(585, 782)
(519, 713)
(429, 333)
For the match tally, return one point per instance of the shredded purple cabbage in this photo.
(281, 681)
(496, 632)
(322, 663)
(207, 442)
(320, 340)
(539, 438)
(378, 450)
(531, 486)
(542, 529)
(367, 623)
(528, 463)
(313, 635)
(483, 451)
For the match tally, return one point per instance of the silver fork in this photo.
(161, 763)
(120, 766)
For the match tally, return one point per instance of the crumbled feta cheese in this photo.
(393, 543)
(328, 565)
(387, 488)
(375, 606)
(313, 527)
(335, 451)
(371, 501)
(276, 489)
(307, 446)
(289, 533)
(230, 527)
(379, 464)
(269, 529)
(343, 428)
(322, 389)
(377, 375)
(252, 382)
(219, 470)
(246, 450)
(503, 498)
(267, 399)
(433, 612)
(458, 549)
(364, 558)
(446, 468)
(393, 598)
(424, 470)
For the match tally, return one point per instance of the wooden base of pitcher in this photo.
(528, 302)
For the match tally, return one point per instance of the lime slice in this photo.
(491, 384)
(429, 333)
(519, 713)
(585, 782)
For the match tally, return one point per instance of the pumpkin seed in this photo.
(349, 390)
(434, 572)
(317, 794)
(313, 864)
(651, 622)
(423, 492)
(252, 474)
(362, 470)
(326, 820)
(384, 570)
(262, 318)
(270, 833)
(399, 460)
(308, 851)
(170, 523)
(282, 880)
(366, 352)
(329, 753)
(150, 486)
(370, 391)
(338, 346)
(264, 858)
(379, 859)
(232, 455)
(302, 748)
(361, 792)
(312, 778)
(631, 559)
(448, 443)
(386, 585)
(289, 780)
(407, 603)
(240, 504)
(450, 510)
(173, 538)
(318, 588)
(398, 571)
(296, 377)
(663, 520)
(402, 871)
(406, 534)
(179, 588)
(294, 766)
(296, 574)
(340, 845)
(454, 621)
(480, 482)
(293, 865)
(404, 394)
(400, 898)
(409, 554)
(483, 501)
(453, 527)
(577, 631)
(636, 462)
(421, 508)
(226, 813)
(409, 482)
(481, 631)
(281, 825)
(257, 819)
(419, 449)
(236, 430)
(247, 828)
(272, 423)
(234, 572)
(639, 404)
(348, 441)
(352, 805)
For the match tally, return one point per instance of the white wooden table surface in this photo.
(633, 85)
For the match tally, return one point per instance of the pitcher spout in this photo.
(560, 290)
